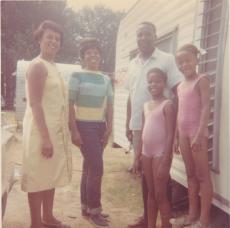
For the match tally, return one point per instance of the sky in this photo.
(116, 5)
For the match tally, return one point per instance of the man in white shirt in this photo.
(149, 57)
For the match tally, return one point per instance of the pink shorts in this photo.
(152, 155)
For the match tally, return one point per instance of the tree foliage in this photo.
(21, 18)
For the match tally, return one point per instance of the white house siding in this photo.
(221, 179)
(120, 102)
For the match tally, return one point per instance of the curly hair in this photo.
(47, 24)
(159, 72)
(88, 43)
(150, 24)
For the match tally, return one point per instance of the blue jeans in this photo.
(92, 171)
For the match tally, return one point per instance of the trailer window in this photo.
(167, 42)
(213, 41)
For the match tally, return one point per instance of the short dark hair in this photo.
(150, 24)
(88, 43)
(190, 48)
(158, 71)
(47, 24)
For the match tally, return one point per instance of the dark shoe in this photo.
(140, 223)
(85, 214)
(98, 220)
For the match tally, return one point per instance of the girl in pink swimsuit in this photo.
(192, 120)
(156, 154)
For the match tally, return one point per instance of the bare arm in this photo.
(128, 117)
(175, 102)
(109, 123)
(169, 113)
(128, 113)
(36, 77)
(72, 119)
(75, 135)
(109, 117)
(174, 89)
(36, 81)
(176, 148)
(204, 89)
(137, 162)
(142, 127)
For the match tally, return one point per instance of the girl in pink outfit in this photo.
(192, 120)
(156, 155)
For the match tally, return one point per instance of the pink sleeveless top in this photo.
(189, 109)
(154, 131)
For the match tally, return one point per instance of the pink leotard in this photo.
(189, 109)
(154, 131)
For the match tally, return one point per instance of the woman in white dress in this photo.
(46, 138)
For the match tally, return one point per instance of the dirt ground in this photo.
(121, 194)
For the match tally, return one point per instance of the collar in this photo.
(90, 71)
(154, 55)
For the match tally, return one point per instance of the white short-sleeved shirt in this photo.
(137, 84)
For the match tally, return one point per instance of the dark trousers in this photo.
(92, 171)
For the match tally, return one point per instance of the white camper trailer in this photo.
(205, 24)
(65, 70)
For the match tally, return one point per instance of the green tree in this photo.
(21, 18)
(99, 22)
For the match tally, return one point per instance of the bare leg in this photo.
(136, 140)
(204, 178)
(144, 196)
(151, 203)
(193, 186)
(161, 194)
(48, 199)
(35, 201)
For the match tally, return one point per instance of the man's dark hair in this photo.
(150, 24)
